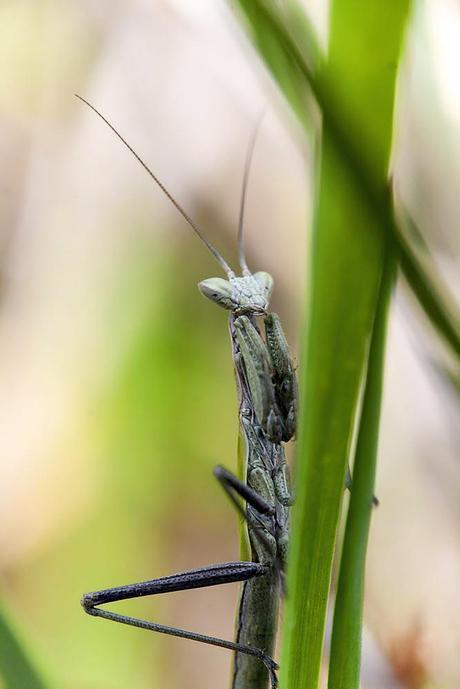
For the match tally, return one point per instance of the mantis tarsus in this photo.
(267, 397)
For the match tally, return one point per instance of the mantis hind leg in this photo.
(233, 486)
(199, 578)
(264, 544)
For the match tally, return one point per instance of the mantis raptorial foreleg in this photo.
(284, 378)
(270, 375)
(258, 369)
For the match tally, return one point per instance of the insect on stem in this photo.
(267, 393)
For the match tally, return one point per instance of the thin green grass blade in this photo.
(345, 658)
(276, 38)
(17, 670)
(280, 62)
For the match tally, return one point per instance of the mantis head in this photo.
(246, 294)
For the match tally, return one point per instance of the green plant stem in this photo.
(345, 275)
(345, 658)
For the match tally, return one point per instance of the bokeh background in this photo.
(117, 394)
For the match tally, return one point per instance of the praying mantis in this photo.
(267, 393)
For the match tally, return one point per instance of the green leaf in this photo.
(271, 27)
(346, 274)
(353, 232)
(16, 668)
(281, 62)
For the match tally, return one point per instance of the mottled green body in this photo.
(264, 426)
(259, 602)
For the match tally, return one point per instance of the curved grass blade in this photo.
(271, 27)
(280, 61)
(17, 670)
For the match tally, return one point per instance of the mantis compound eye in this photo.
(218, 290)
(265, 281)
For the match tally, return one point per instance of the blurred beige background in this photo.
(117, 390)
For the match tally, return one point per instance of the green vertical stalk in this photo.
(347, 264)
(17, 670)
(345, 275)
(345, 658)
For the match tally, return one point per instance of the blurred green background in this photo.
(117, 393)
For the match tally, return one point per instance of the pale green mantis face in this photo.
(247, 294)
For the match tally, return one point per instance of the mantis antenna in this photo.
(247, 167)
(223, 263)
